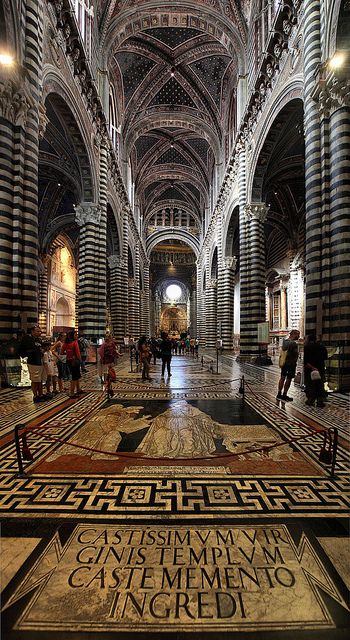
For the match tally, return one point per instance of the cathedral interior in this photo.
(177, 166)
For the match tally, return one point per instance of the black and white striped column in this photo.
(117, 297)
(145, 303)
(227, 291)
(256, 214)
(91, 309)
(43, 293)
(19, 152)
(246, 336)
(337, 314)
(124, 270)
(313, 166)
(210, 310)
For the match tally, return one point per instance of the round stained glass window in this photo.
(173, 292)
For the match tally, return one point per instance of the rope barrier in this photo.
(123, 454)
(204, 386)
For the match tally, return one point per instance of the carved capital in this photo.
(88, 214)
(230, 263)
(114, 261)
(212, 283)
(14, 105)
(331, 92)
(256, 211)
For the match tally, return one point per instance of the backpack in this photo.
(283, 357)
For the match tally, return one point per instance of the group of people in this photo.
(50, 363)
(315, 355)
(148, 349)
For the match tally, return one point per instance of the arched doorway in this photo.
(63, 315)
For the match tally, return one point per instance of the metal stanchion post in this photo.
(335, 448)
(131, 371)
(217, 360)
(18, 450)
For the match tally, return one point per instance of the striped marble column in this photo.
(256, 214)
(210, 310)
(200, 304)
(91, 309)
(337, 313)
(136, 319)
(134, 308)
(19, 152)
(145, 307)
(43, 293)
(246, 336)
(124, 270)
(117, 295)
(227, 291)
(193, 313)
(313, 164)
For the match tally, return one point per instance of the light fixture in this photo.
(58, 184)
(6, 59)
(337, 60)
(172, 71)
(172, 144)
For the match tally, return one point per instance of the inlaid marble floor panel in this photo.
(178, 508)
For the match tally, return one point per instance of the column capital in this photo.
(330, 91)
(229, 262)
(115, 261)
(88, 213)
(14, 104)
(212, 283)
(256, 211)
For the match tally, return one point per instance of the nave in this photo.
(177, 507)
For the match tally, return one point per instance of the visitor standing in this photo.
(165, 350)
(315, 355)
(288, 363)
(145, 356)
(61, 360)
(50, 369)
(31, 348)
(83, 347)
(108, 354)
(70, 347)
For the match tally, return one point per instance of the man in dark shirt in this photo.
(315, 355)
(31, 348)
(165, 350)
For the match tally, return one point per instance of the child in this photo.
(110, 378)
(50, 367)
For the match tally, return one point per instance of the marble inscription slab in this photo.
(120, 578)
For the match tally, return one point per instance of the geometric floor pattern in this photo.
(178, 506)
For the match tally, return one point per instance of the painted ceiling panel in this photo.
(211, 71)
(200, 146)
(172, 156)
(171, 36)
(172, 193)
(134, 68)
(173, 93)
(144, 144)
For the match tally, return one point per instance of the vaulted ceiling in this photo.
(175, 67)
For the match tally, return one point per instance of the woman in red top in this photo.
(71, 348)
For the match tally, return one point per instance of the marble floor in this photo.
(180, 507)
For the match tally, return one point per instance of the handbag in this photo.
(326, 453)
(315, 375)
(283, 357)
